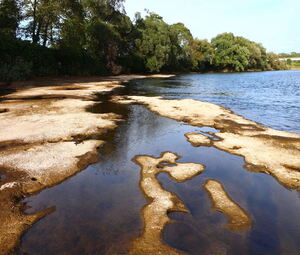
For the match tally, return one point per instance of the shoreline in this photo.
(76, 149)
(44, 81)
(264, 149)
(65, 80)
(48, 122)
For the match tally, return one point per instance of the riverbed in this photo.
(98, 211)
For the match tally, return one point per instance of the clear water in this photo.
(98, 210)
(271, 98)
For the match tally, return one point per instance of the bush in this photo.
(20, 60)
(17, 71)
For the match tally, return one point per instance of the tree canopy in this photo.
(87, 37)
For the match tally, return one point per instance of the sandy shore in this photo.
(265, 150)
(161, 201)
(46, 136)
(238, 218)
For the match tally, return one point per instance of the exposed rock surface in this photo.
(238, 218)
(160, 200)
(265, 150)
(197, 139)
(46, 136)
(44, 141)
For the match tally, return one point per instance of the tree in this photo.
(200, 54)
(42, 20)
(180, 38)
(105, 22)
(87, 37)
(154, 46)
(9, 17)
(231, 52)
(274, 63)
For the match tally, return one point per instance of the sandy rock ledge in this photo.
(45, 137)
(197, 139)
(265, 150)
(239, 219)
(160, 200)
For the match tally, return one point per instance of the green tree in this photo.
(42, 20)
(274, 63)
(180, 39)
(154, 46)
(200, 54)
(231, 52)
(9, 17)
(86, 37)
(104, 24)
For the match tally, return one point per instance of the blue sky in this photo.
(274, 23)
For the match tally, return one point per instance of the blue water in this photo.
(270, 98)
(98, 210)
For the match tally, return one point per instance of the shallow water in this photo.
(98, 210)
(271, 98)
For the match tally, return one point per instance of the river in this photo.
(98, 210)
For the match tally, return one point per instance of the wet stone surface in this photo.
(100, 207)
(98, 211)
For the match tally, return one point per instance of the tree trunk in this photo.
(38, 32)
(33, 35)
(45, 35)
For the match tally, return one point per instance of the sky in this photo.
(274, 23)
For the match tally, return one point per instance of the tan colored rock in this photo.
(37, 167)
(160, 200)
(277, 156)
(197, 139)
(77, 90)
(51, 121)
(43, 142)
(45, 137)
(49, 163)
(14, 226)
(238, 218)
(265, 150)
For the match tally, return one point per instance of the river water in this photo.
(98, 210)
(271, 98)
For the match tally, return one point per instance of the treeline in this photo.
(96, 37)
(289, 55)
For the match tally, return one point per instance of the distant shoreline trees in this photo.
(289, 55)
(96, 37)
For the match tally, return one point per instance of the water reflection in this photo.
(271, 98)
(98, 210)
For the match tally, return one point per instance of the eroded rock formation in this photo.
(238, 218)
(265, 150)
(161, 201)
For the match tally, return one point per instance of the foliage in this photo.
(295, 64)
(201, 55)
(154, 44)
(94, 37)
(235, 53)
(289, 55)
(9, 17)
